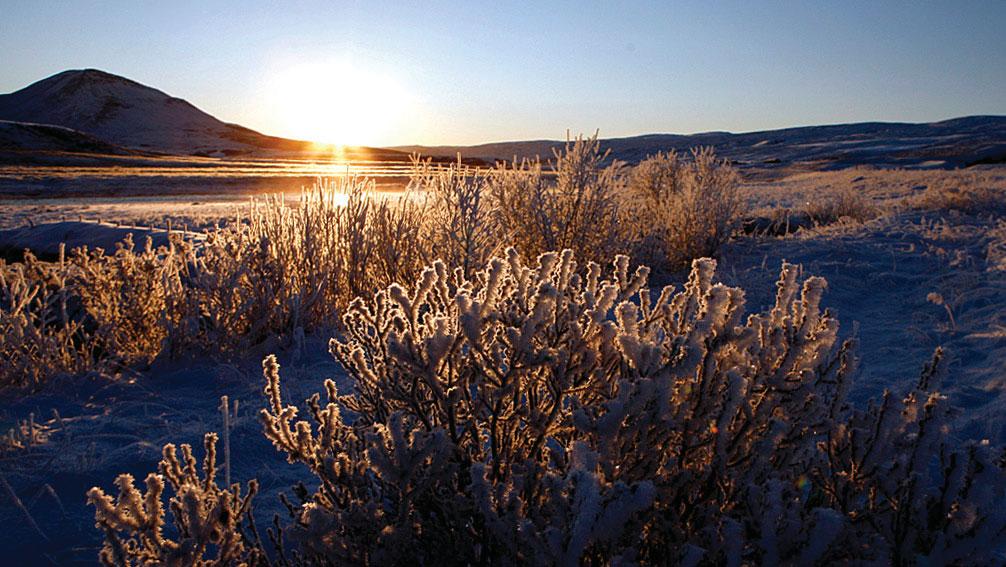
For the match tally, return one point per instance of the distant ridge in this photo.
(950, 143)
(123, 112)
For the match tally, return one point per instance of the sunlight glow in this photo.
(336, 103)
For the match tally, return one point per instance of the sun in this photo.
(336, 103)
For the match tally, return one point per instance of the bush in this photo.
(288, 269)
(41, 334)
(846, 205)
(539, 414)
(132, 300)
(283, 271)
(207, 519)
(682, 210)
(460, 226)
(573, 205)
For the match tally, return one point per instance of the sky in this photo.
(381, 73)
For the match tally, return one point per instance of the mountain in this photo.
(950, 143)
(122, 112)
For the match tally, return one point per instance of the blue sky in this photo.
(465, 73)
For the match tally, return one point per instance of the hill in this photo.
(26, 136)
(950, 143)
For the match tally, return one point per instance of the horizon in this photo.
(420, 78)
(555, 139)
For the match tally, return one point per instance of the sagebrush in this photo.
(544, 413)
(682, 210)
(289, 267)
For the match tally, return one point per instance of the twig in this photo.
(20, 505)
(225, 408)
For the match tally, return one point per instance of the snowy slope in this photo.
(117, 109)
(44, 240)
(26, 136)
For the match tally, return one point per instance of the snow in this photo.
(44, 240)
(115, 108)
(880, 275)
(105, 427)
(26, 136)
(879, 278)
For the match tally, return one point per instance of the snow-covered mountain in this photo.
(950, 143)
(125, 113)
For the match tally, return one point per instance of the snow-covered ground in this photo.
(882, 276)
(90, 429)
(880, 279)
(196, 212)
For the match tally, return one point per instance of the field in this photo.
(915, 264)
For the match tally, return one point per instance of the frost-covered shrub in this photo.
(41, 333)
(909, 493)
(681, 209)
(291, 267)
(131, 298)
(572, 204)
(460, 226)
(284, 270)
(399, 230)
(847, 205)
(540, 414)
(304, 260)
(207, 520)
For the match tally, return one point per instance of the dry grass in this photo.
(848, 205)
(288, 268)
(969, 192)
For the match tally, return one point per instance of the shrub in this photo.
(301, 263)
(573, 205)
(681, 210)
(283, 271)
(460, 222)
(400, 236)
(131, 299)
(41, 336)
(291, 268)
(207, 519)
(539, 414)
(844, 205)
